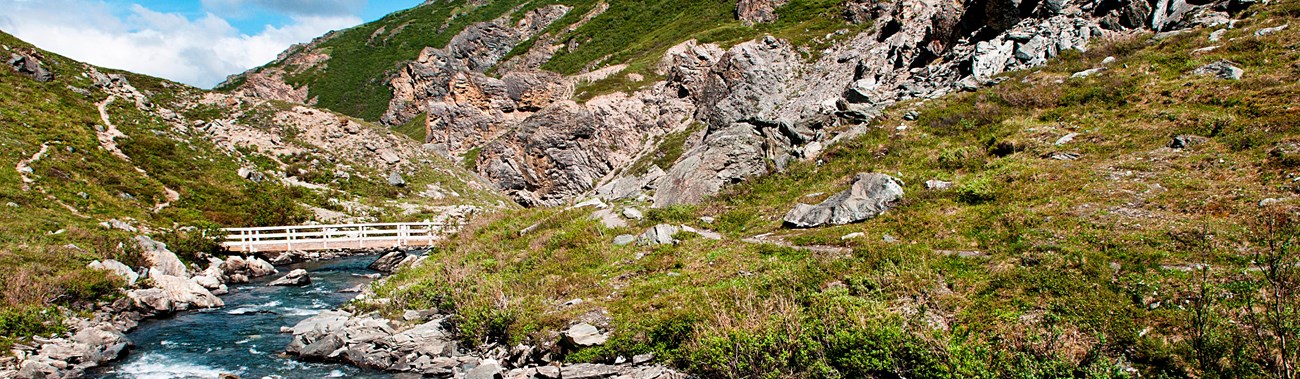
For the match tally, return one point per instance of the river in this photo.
(244, 337)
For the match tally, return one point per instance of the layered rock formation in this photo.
(764, 103)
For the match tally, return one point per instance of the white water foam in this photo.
(158, 366)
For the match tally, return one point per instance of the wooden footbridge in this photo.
(335, 237)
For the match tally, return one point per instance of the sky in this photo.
(197, 42)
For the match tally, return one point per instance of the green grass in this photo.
(1029, 267)
(670, 149)
(414, 128)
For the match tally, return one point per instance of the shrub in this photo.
(675, 214)
(976, 191)
(189, 243)
(18, 323)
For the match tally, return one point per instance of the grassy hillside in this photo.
(354, 81)
(50, 228)
(1134, 259)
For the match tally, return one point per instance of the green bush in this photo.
(17, 323)
(190, 242)
(674, 214)
(976, 191)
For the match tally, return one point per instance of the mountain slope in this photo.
(1153, 241)
(349, 71)
(550, 101)
(94, 157)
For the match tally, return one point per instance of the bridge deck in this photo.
(334, 237)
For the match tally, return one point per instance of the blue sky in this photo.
(197, 42)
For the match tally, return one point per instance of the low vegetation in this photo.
(1135, 259)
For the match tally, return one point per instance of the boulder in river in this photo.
(295, 278)
(389, 262)
(869, 196)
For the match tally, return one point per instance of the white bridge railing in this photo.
(334, 237)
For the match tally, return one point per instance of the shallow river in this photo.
(244, 337)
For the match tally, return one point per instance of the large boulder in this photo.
(388, 262)
(30, 65)
(185, 293)
(295, 278)
(118, 268)
(159, 258)
(661, 234)
(369, 342)
(173, 293)
(869, 196)
(584, 335)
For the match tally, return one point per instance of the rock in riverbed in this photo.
(388, 262)
(295, 278)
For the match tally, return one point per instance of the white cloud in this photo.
(199, 52)
(290, 7)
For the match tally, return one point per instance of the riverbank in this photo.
(244, 338)
(160, 290)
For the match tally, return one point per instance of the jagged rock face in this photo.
(563, 150)
(757, 11)
(764, 104)
(272, 86)
(479, 109)
(30, 65)
(727, 156)
(476, 49)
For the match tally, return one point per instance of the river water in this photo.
(244, 337)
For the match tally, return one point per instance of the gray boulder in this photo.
(160, 259)
(1222, 69)
(118, 268)
(388, 262)
(661, 234)
(624, 239)
(869, 196)
(396, 179)
(30, 66)
(487, 369)
(295, 278)
(584, 335)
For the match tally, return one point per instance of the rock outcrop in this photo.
(29, 64)
(428, 348)
(295, 278)
(868, 196)
(94, 343)
(435, 73)
(389, 262)
(763, 103)
(757, 11)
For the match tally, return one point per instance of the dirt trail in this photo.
(108, 136)
(24, 167)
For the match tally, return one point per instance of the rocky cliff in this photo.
(766, 101)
